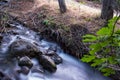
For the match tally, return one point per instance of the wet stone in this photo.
(3, 2)
(25, 61)
(25, 70)
(1, 37)
(37, 69)
(3, 76)
(47, 63)
(18, 70)
(22, 48)
(55, 57)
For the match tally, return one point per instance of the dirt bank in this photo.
(66, 29)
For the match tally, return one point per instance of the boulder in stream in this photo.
(25, 61)
(21, 47)
(47, 63)
(55, 57)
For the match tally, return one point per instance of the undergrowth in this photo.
(104, 48)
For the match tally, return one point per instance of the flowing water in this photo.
(69, 69)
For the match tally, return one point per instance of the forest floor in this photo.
(84, 12)
(82, 17)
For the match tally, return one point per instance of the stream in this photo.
(69, 69)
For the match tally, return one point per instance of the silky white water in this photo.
(70, 69)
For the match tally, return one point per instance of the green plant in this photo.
(46, 22)
(104, 47)
(4, 19)
(49, 23)
(82, 2)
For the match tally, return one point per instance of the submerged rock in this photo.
(3, 76)
(47, 63)
(55, 57)
(20, 48)
(25, 70)
(1, 38)
(3, 2)
(37, 69)
(25, 61)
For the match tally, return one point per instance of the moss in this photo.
(3, 17)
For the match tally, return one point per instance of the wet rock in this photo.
(116, 76)
(21, 48)
(50, 53)
(18, 70)
(37, 69)
(1, 37)
(25, 70)
(14, 32)
(55, 57)
(3, 76)
(25, 61)
(53, 48)
(47, 63)
(3, 2)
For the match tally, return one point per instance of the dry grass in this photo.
(76, 13)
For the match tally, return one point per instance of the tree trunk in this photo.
(62, 6)
(107, 10)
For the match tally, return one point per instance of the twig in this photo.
(114, 67)
(114, 25)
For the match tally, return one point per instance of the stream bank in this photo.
(40, 22)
